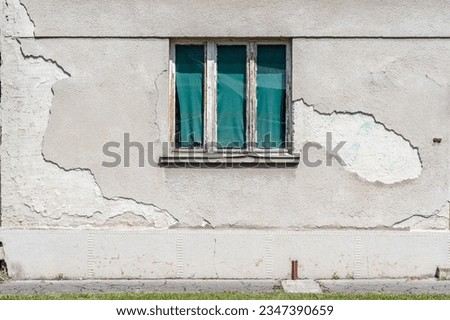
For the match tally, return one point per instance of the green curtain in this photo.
(231, 95)
(189, 62)
(271, 96)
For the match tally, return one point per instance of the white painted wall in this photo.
(64, 97)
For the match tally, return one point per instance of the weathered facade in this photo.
(78, 74)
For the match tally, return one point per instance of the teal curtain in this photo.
(271, 96)
(189, 76)
(231, 95)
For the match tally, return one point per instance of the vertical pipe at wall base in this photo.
(294, 270)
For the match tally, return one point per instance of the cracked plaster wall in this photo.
(37, 192)
(62, 99)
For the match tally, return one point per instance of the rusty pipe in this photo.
(294, 270)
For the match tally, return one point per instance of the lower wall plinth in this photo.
(225, 254)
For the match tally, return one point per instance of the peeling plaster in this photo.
(17, 22)
(129, 219)
(372, 151)
(29, 17)
(38, 182)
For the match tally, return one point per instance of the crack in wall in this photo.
(436, 214)
(214, 257)
(29, 17)
(30, 56)
(206, 223)
(155, 107)
(433, 80)
(341, 227)
(61, 216)
(165, 211)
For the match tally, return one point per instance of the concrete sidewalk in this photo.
(431, 286)
(169, 285)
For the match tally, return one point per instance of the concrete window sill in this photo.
(230, 161)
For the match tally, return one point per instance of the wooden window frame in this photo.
(210, 97)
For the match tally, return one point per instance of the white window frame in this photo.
(210, 97)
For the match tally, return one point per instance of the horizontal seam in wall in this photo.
(257, 37)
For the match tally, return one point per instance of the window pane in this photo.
(231, 96)
(271, 96)
(189, 70)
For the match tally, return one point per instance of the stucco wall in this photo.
(235, 18)
(77, 74)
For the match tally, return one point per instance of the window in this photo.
(230, 97)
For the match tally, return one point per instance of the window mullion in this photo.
(288, 104)
(251, 97)
(172, 95)
(211, 96)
